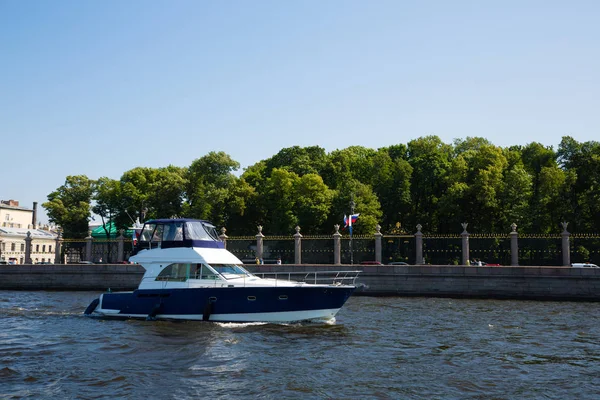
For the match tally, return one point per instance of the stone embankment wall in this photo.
(542, 283)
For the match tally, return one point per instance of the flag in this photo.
(348, 221)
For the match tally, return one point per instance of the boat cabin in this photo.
(182, 232)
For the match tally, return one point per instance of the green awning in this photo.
(100, 233)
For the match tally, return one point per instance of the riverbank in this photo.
(534, 283)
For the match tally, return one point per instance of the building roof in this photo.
(35, 233)
(9, 207)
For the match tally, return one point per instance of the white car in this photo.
(583, 265)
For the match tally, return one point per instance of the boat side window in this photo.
(202, 271)
(174, 273)
(146, 234)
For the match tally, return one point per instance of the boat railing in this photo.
(335, 278)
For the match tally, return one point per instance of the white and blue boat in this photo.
(191, 276)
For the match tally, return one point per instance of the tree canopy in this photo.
(424, 181)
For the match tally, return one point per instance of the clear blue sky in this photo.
(101, 87)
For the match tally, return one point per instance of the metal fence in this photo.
(437, 250)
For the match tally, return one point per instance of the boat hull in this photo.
(241, 304)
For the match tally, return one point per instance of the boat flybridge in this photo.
(191, 276)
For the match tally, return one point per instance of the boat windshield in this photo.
(196, 230)
(227, 270)
(178, 231)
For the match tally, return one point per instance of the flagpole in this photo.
(351, 214)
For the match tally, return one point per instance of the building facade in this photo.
(15, 223)
(13, 243)
(14, 216)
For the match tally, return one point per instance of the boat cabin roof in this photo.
(179, 232)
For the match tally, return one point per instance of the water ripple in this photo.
(379, 348)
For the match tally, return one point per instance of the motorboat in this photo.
(190, 275)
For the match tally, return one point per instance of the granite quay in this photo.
(535, 283)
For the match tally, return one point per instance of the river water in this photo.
(378, 348)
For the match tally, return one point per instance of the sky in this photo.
(97, 88)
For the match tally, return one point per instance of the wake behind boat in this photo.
(191, 276)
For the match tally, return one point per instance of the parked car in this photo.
(370, 263)
(397, 263)
(584, 265)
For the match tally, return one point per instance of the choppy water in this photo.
(379, 348)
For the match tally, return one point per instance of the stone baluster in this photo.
(223, 236)
(378, 235)
(120, 246)
(337, 245)
(566, 248)
(259, 243)
(419, 245)
(514, 246)
(88, 246)
(465, 244)
(58, 248)
(297, 246)
(28, 240)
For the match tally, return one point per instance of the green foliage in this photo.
(210, 183)
(425, 182)
(109, 205)
(69, 206)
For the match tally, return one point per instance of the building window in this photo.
(13, 246)
(37, 248)
(50, 249)
(43, 248)
(22, 246)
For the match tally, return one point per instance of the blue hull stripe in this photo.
(193, 301)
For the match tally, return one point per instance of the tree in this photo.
(167, 191)
(109, 205)
(137, 187)
(69, 206)
(278, 199)
(391, 183)
(354, 162)
(313, 200)
(300, 160)
(365, 203)
(430, 159)
(210, 184)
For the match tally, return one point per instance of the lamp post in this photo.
(352, 204)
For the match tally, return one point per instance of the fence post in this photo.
(120, 247)
(88, 246)
(514, 246)
(223, 236)
(28, 240)
(566, 249)
(465, 244)
(419, 245)
(259, 243)
(337, 245)
(57, 248)
(378, 236)
(297, 246)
